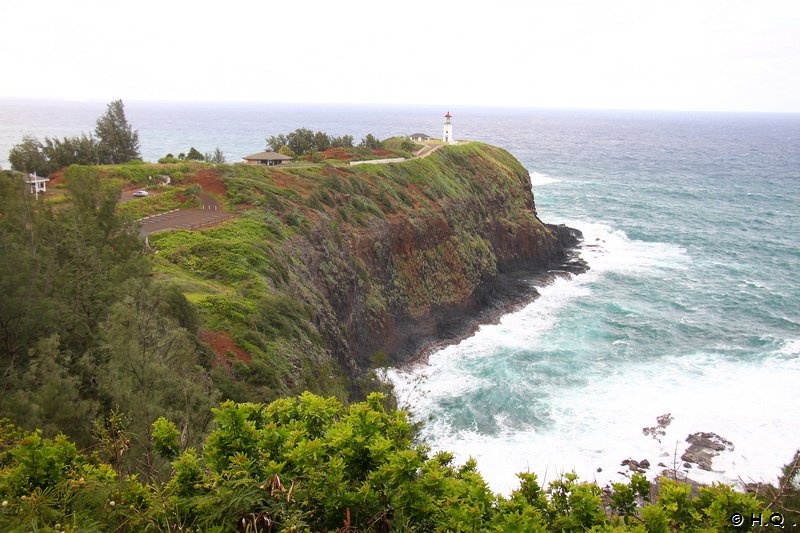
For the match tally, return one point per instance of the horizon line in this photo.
(526, 107)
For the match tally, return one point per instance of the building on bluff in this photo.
(266, 158)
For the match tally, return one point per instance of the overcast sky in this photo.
(730, 55)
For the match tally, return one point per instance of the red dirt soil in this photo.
(337, 153)
(210, 181)
(223, 345)
(57, 176)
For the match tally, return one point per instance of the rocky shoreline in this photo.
(703, 448)
(505, 293)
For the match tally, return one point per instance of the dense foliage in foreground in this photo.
(314, 464)
(84, 327)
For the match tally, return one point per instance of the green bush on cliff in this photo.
(139, 174)
(314, 464)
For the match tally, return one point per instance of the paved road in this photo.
(210, 212)
(427, 150)
(183, 219)
(127, 196)
(209, 202)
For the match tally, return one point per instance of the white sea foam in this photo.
(538, 179)
(445, 375)
(599, 424)
(610, 250)
(790, 347)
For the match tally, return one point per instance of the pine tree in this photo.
(117, 141)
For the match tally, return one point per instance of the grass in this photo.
(144, 174)
(401, 144)
(358, 153)
(160, 200)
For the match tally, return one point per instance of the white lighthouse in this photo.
(447, 131)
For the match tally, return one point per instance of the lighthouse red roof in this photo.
(448, 115)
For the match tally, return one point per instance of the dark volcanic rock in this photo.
(703, 447)
(567, 237)
(390, 289)
(636, 466)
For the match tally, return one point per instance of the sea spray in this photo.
(541, 392)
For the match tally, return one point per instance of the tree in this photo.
(321, 141)
(285, 150)
(276, 142)
(371, 142)
(345, 141)
(80, 150)
(117, 142)
(48, 394)
(216, 156)
(60, 272)
(195, 155)
(149, 367)
(301, 141)
(28, 156)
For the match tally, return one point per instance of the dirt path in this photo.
(427, 150)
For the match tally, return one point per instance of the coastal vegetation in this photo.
(314, 464)
(304, 140)
(114, 142)
(168, 388)
(304, 290)
(216, 157)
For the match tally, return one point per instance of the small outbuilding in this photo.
(266, 158)
(38, 184)
(418, 137)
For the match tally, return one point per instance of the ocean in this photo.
(691, 305)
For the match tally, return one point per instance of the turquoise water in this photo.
(691, 306)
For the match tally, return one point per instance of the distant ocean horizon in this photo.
(241, 128)
(691, 306)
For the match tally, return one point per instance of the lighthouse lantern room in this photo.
(447, 131)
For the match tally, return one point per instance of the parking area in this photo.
(183, 219)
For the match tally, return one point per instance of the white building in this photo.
(38, 184)
(447, 131)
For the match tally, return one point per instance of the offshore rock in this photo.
(636, 466)
(704, 447)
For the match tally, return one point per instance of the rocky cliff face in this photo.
(381, 259)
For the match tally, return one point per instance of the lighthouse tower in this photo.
(447, 131)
